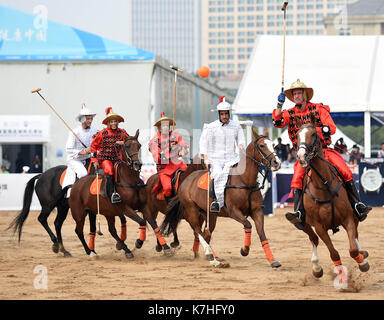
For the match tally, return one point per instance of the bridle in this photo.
(130, 162)
(311, 151)
(266, 160)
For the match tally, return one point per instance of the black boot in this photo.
(214, 207)
(112, 194)
(298, 217)
(168, 198)
(360, 209)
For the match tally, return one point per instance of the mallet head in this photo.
(175, 68)
(285, 4)
(36, 90)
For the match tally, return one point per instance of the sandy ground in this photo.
(151, 275)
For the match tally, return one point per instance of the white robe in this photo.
(220, 143)
(75, 161)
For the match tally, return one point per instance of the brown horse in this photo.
(132, 191)
(160, 205)
(242, 199)
(322, 187)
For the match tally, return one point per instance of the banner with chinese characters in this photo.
(12, 186)
(24, 128)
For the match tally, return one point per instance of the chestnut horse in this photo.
(160, 205)
(132, 191)
(325, 201)
(242, 199)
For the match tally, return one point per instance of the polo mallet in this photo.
(284, 8)
(70, 129)
(98, 202)
(177, 70)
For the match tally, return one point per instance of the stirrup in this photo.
(361, 214)
(214, 207)
(296, 218)
(115, 198)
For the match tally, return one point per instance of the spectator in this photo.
(36, 165)
(282, 150)
(355, 156)
(292, 156)
(5, 161)
(340, 146)
(3, 169)
(380, 153)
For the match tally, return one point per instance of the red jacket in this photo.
(104, 144)
(323, 118)
(162, 152)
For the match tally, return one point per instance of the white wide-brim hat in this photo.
(84, 112)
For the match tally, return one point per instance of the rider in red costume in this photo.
(167, 147)
(301, 96)
(107, 147)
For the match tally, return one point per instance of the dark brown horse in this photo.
(160, 205)
(132, 191)
(242, 199)
(326, 202)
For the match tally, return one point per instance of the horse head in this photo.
(308, 141)
(264, 152)
(131, 152)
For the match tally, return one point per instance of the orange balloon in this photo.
(204, 71)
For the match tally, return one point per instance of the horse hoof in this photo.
(175, 244)
(318, 274)
(219, 263)
(67, 254)
(119, 245)
(159, 248)
(138, 243)
(243, 252)
(364, 267)
(168, 252)
(196, 255)
(55, 247)
(275, 264)
(129, 255)
(364, 253)
(93, 255)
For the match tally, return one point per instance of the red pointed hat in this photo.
(223, 105)
(111, 116)
(163, 118)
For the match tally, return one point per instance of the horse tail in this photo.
(173, 215)
(17, 223)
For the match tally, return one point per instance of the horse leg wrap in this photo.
(337, 263)
(196, 244)
(92, 236)
(359, 259)
(267, 250)
(160, 236)
(143, 233)
(123, 236)
(247, 237)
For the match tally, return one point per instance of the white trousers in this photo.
(74, 168)
(219, 172)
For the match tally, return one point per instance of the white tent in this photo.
(346, 73)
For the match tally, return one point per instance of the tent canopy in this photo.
(346, 73)
(24, 36)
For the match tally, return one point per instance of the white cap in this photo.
(84, 112)
(223, 105)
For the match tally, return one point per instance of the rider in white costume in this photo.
(220, 143)
(77, 154)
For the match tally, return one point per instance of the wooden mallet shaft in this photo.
(284, 8)
(70, 129)
(176, 69)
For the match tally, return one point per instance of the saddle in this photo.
(202, 183)
(174, 182)
(102, 187)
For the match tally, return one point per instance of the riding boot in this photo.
(360, 209)
(111, 191)
(298, 217)
(214, 207)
